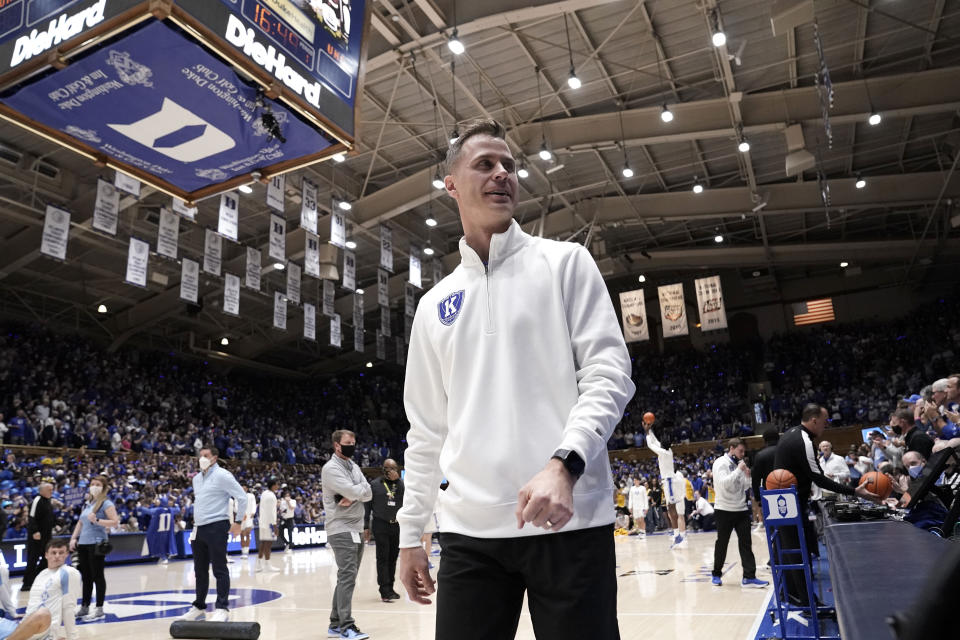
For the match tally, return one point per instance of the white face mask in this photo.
(96, 490)
(205, 463)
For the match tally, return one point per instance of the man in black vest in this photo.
(39, 532)
(387, 500)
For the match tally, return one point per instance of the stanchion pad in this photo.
(222, 630)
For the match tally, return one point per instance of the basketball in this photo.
(649, 418)
(878, 483)
(780, 479)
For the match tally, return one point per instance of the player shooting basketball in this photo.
(674, 485)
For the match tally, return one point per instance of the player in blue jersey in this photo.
(160, 533)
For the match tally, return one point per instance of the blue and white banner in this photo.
(229, 221)
(349, 270)
(338, 228)
(212, 252)
(168, 233)
(386, 248)
(328, 297)
(713, 313)
(276, 191)
(189, 280)
(106, 210)
(231, 295)
(125, 183)
(279, 311)
(311, 255)
(383, 288)
(336, 338)
(56, 233)
(293, 282)
(179, 206)
(253, 270)
(138, 255)
(278, 238)
(308, 206)
(309, 322)
(415, 279)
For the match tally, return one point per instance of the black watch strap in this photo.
(571, 460)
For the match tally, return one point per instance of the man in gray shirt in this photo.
(345, 489)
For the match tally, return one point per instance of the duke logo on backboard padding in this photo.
(449, 308)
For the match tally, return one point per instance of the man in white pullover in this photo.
(516, 377)
(637, 505)
(731, 479)
(53, 601)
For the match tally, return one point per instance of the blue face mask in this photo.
(915, 471)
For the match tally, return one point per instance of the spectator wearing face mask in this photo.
(99, 515)
(905, 426)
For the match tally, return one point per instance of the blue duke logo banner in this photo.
(158, 102)
(449, 308)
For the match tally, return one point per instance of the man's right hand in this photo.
(415, 574)
(862, 492)
(743, 467)
(345, 502)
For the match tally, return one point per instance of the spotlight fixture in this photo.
(744, 146)
(428, 251)
(522, 173)
(454, 44)
(370, 364)
(544, 152)
(573, 81)
(245, 188)
(431, 221)
(642, 278)
(719, 38)
(279, 266)
(874, 118)
(224, 341)
(360, 291)
(718, 238)
(351, 244)
(437, 181)
(344, 205)
(860, 183)
(844, 265)
(697, 187)
(627, 171)
(665, 114)
(102, 308)
(339, 157)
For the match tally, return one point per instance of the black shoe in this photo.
(385, 598)
(394, 595)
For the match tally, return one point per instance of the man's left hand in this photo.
(235, 529)
(547, 500)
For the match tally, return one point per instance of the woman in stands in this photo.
(99, 515)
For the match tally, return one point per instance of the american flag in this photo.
(813, 312)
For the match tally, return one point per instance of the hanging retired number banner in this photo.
(125, 183)
(275, 192)
(335, 330)
(385, 321)
(386, 248)
(293, 282)
(212, 247)
(358, 322)
(401, 352)
(253, 270)
(409, 304)
(229, 221)
(381, 347)
(279, 311)
(189, 280)
(311, 255)
(168, 233)
(673, 310)
(338, 229)
(231, 294)
(358, 339)
(713, 314)
(278, 239)
(415, 266)
(56, 232)
(308, 206)
(383, 288)
(309, 321)
(633, 310)
(138, 255)
(349, 271)
(180, 207)
(106, 211)
(328, 294)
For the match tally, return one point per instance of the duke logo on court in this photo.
(449, 308)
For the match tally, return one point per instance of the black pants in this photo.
(739, 521)
(210, 548)
(795, 578)
(36, 562)
(387, 537)
(286, 530)
(570, 579)
(91, 570)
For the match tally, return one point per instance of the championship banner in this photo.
(311, 255)
(253, 270)
(381, 347)
(358, 339)
(56, 233)
(309, 321)
(279, 311)
(673, 310)
(328, 297)
(401, 352)
(106, 211)
(231, 295)
(633, 310)
(125, 183)
(168, 233)
(293, 282)
(385, 321)
(229, 222)
(138, 255)
(308, 206)
(349, 271)
(276, 189)
(415, 267)
(409, 301)
(383, 288)
(437, 266)
(386, 248)
(212, 252)
(180, 207)
(335, 336)
(278, 238)
(338, 229)
(713, 313)
(189, 280)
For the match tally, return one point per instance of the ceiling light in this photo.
(666, 115)
(744, 146)
(351, 244)
(627, 172)
(279, 266)
(756, 274)
(697, 187)
(844, 265)
(454, 137)
(874, 119)
(346, 206)
(455, 45)
(860, 183)
(224, 341)
(431, 221)
(339, 157)
(573, 81)
(437, 181)
(370, 364)
(523, 173)
(719, 38)
(360, 291)
(102, 308)
(544, 152)
(554, 168)
(428, 251)
(642, 278)
(718, 238)
(245, 188)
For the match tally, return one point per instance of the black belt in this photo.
(385, 520)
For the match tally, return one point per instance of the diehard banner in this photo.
(673, 310)
(633, 310)
(713, 314)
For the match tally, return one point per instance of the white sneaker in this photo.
(273, 567)
(219, 615)
(95, 614)
(194, 614)
(259, 566)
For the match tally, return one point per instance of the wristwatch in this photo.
(571, 460)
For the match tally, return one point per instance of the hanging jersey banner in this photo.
(328, 297)
(338, 229)
(383, 288)
(138, 255)
(278, 238)
(212, 248)
(168, 233)
(311, 255)
(229, 221)
(293, 282)
(409, 301)
(713, 314)
(673, 310)
(189, 280)
(335, 337)
(308, 206)
(386, 248)
(358, 339)
(349, 271)
(254, 269)
(385, 321)
(279, 311)
(358, 309)
(125, 183)
(231, 295)
(633, 311)
(276, 189)
(415, 267)
(309, 322)
(179, 206)
(106, 211)
(56, 233)
(381, 347)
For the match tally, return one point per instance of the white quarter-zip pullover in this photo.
(730, 484)
(508, 362)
